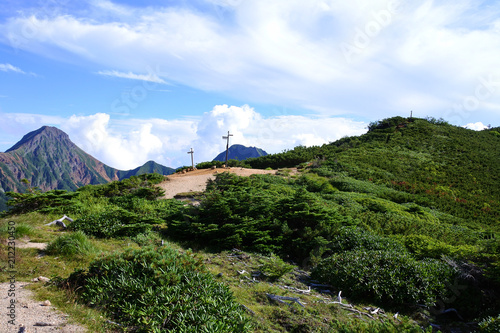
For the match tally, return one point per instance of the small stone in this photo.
(34, 280)
(41, 323)
(46, 303)
(43, 279)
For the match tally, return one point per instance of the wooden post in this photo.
(192, 161)
(227, 145)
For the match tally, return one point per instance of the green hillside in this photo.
(391, 231)
(443, 167)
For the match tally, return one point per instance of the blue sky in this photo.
(136, 82)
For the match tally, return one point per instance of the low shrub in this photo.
(114, 222)
(425, 246)
(158, 290)
(72, 244)
(50, 201)
(314, 183)
(490, 325)
(386, 276)
(274, 268)
(147, 238)
(351, 238)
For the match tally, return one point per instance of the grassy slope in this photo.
(233, 268)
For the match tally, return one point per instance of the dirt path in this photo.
(30, 313)
(197, 180)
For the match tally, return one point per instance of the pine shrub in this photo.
(386, 276)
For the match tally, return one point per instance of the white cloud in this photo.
(121, 150)
(479, 126)
(10, 68)
(142, 77)
(273, 134)
(129, 144)
(289, 50)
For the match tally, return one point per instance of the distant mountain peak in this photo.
(240, 153)
(34, 137)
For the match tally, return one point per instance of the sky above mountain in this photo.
(135, 82)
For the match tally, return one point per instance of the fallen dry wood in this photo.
(297, 290)
(282, 299)
(60, 222)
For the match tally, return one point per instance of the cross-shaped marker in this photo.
(192, 162)
(227, 145)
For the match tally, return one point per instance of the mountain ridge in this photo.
(49, 160)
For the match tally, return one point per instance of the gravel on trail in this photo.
(35, 316)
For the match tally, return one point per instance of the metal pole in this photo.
(192, 161)
(227, 145)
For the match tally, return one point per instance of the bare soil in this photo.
(31, 313)
(196, 180)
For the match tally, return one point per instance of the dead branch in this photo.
(282, 299)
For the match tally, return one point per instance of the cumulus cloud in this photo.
(371, 59)
(273, 134)
(128, 144)
(479, 126)
(125, 150)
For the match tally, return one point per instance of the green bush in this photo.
(50, 201)
(424, 246)
(72, 244)
(274, 268)
(314, 183)
(114, 222)
(159, 290)
(386, 276)
(490, 325)
(352, 238)
(147, 238)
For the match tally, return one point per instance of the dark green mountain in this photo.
(240, 153)
(148, 167)
(48, 160)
